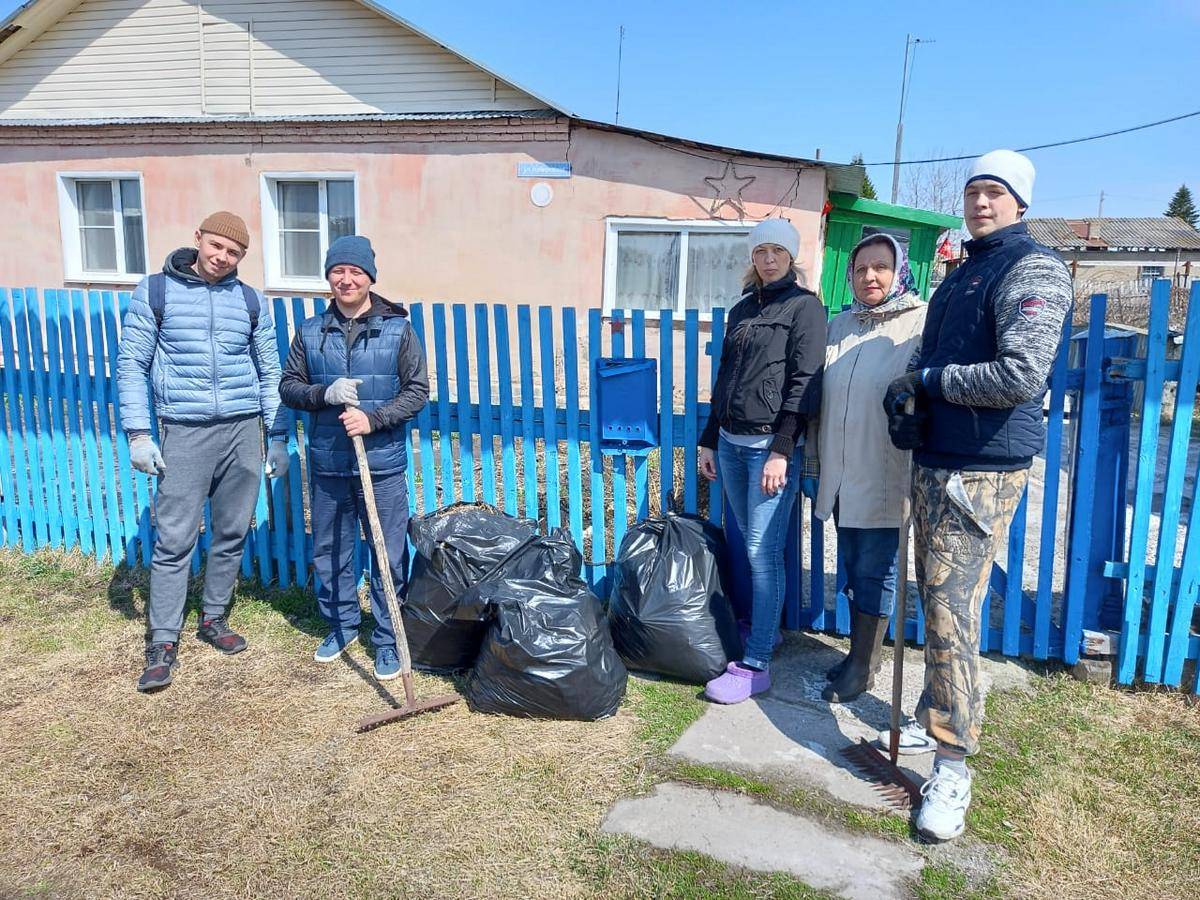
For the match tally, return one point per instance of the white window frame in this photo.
(683, 227)
(69, 222)
(273, 251)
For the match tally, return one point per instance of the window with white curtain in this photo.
(103, 227)
(302, 215)
(655, 265)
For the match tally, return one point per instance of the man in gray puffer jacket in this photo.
(207, 344)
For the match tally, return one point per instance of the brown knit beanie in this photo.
(227, 225)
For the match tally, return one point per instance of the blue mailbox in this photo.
(627, 405)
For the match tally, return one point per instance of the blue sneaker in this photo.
(387, 664)
(333, 646)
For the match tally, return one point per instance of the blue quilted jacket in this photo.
(204, 364)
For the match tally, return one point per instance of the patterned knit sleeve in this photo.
(1031, 303)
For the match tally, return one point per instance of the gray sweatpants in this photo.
(222, 461)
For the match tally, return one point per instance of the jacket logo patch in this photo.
(974, 283)
(1031, 307)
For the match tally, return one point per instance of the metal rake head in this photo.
(895, 788)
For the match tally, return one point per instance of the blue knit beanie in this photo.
(351, 250)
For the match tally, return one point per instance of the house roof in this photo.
(1102, 234)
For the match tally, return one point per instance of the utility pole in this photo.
(620, 48)
(909, 41)
(1100, 212)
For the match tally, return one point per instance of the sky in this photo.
(792, 77)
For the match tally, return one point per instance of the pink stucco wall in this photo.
(448, 216)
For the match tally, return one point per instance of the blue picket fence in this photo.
(511, 422)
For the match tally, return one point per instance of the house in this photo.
(125, 121)
(1121, 256)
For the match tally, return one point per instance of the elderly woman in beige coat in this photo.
(862, 475)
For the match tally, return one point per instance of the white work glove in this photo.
(277, 459)
(343, 392)
(144, 455)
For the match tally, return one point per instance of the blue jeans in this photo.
(763, 522)
(337, 510)
(869, 555)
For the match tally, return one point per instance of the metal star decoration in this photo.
(728, 188)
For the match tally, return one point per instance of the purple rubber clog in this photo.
(736, 684)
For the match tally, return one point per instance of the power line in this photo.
(917, 162)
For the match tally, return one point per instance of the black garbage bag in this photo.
(455, 547)
(669, 608)
(548, 652)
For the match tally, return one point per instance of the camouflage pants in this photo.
(959, 521)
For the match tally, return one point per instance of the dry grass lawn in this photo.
(244, 778)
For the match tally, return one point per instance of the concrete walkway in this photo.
(790, 737)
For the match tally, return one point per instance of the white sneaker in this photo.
(944, 810)
(913, 739)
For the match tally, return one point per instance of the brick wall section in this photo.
(451, 131)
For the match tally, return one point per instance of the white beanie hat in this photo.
(1011, 169)
(775, 231)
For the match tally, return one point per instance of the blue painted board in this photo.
(508, 455)
(487, 434)
(666, 405)
(45, 432)
(640, 462)
(442, 405)
(529, 466)
(1049, 513)
(620, 486)
(1013, 596)
(129, 514)
(570, 340)
(546, 360)
(716, 341)
(691, 425)
(25, 381)
(1087, 440)
(104, 426)
(425, 423)
(462, 375)
(1147, 457)
(18, 508)
(1185, 401)
(599, 533)
(80, 482)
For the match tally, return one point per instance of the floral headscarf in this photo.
(903, 292)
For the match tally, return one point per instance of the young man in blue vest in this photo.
(991, 336)
(207, 344)
(359, 370)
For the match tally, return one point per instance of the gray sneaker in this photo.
(914, 739)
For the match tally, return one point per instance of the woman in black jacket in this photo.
(767, 389)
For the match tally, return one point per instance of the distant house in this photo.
(1122, 256)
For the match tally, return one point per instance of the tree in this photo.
(868, 187)
(1182, 206)
(935, 186)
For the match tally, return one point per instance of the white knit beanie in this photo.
(775, 231)
(1011, 169)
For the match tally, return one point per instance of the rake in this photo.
(412, 706)
(889, 780)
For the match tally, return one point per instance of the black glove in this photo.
(907, 431)
(907, 385)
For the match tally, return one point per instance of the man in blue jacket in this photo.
(991, 336)
(207, 344)
(359, 369)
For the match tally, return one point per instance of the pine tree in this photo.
(1183, 207)
(868, 189)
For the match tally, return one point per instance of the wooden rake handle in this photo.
(381, 559)
(901, 606)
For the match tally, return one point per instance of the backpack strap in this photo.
(252, 307)
(158, 297)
